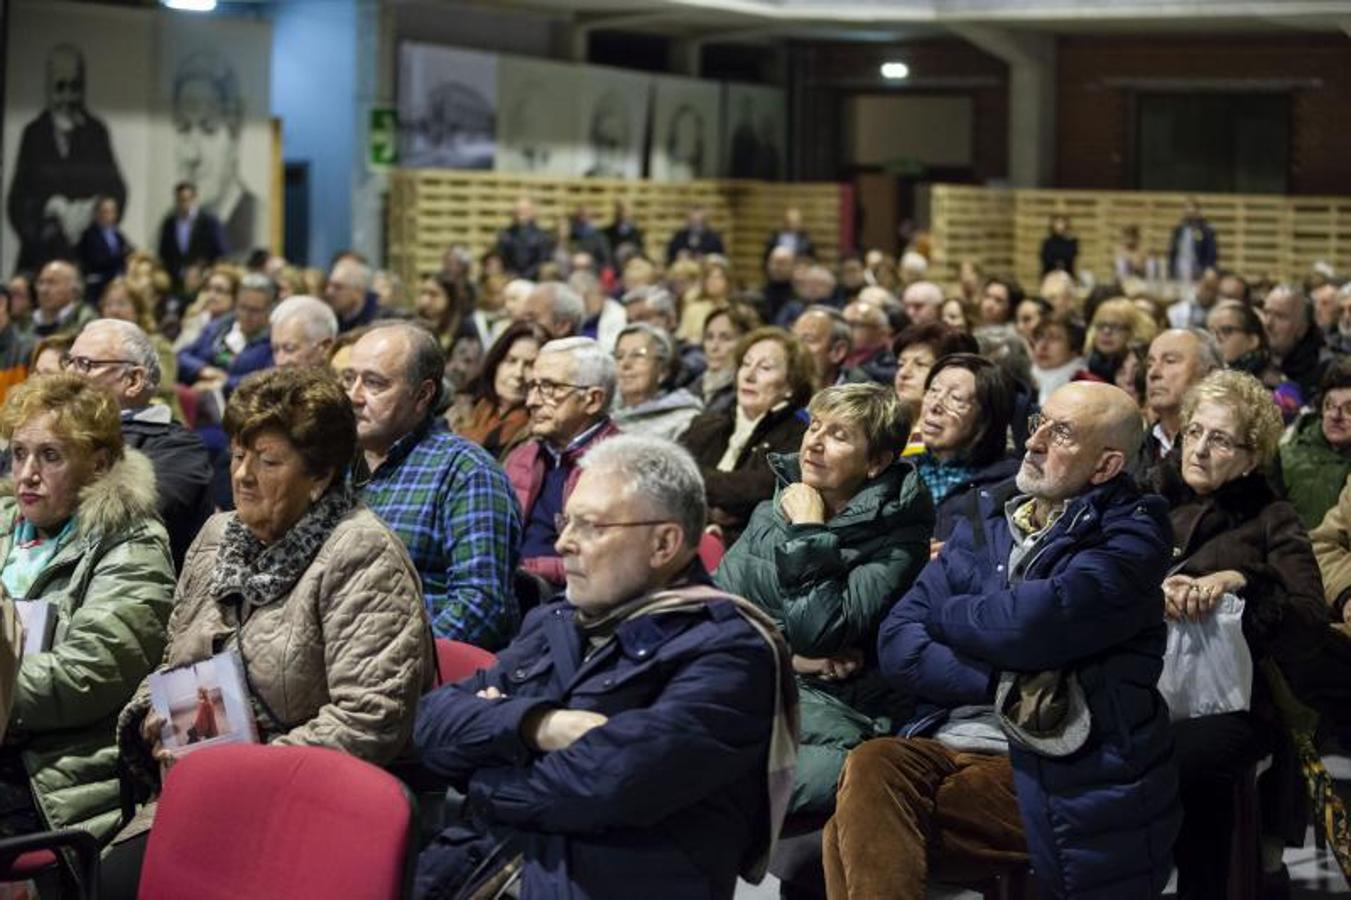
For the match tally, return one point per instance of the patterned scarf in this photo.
(262, 573)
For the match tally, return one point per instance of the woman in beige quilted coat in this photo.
(313, 591)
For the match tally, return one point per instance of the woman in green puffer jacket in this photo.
(845, 535)
(78, 530)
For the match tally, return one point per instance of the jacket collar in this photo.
(894, 488)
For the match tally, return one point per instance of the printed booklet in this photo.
(204, 704)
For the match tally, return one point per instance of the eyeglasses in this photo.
(552, 390)
(585, 531)
(1062, 433)
(1218, 441)
(948, 400)
(84, 365)
(1336, 410)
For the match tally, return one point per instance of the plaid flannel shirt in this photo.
(455, 511)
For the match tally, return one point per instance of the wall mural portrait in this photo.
(447, 107)
(65, 164)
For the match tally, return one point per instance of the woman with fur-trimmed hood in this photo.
(78, 530)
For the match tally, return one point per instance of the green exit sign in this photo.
(384, 139)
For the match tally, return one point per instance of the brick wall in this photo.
(1094, 116)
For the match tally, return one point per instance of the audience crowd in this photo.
(889, 566)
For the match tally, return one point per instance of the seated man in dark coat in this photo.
(637, 739)
(1048, 592)
(119, 356)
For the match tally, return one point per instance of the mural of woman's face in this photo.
(206, 148)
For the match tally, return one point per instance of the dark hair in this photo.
(184, 186)
(481, 388)
(307, 405)
(1336, 376)
(1248, 320)
(994, 400)
(1014, 289)
(1074, 330)
(941, 339)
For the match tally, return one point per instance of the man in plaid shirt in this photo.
(443, 495)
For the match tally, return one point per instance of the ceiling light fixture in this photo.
(191, 5)
(895, 71)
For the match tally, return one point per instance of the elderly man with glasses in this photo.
(1046, 596)
(570, 389)
(120, 357)
(638, 738)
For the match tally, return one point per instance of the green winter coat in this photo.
(829, 587)
(113, 584)
(1312, 473)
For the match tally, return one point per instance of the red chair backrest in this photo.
(711, 550)
(290, 823)
(456, 660)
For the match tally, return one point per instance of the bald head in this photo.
(1088, 434)
(1111, 413)
(58, 286)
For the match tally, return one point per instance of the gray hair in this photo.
(136, 345)
(1207, 349)
(591, 365)
(1303, 301)
(568, 305)
(839, 326)
(661, 472)
(654, 296)
(257, 281)
(925, 292)
(358, 269)
(318, 317)
(665, 346)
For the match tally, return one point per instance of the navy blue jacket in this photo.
(1101, 822)
(665, 800)
(203, 352)
(957, 503)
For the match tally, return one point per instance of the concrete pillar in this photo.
(1032, 72)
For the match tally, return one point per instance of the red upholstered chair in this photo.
(711, 550)
(456, 660)
(33, 857)
(290, 823)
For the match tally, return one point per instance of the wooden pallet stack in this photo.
(1259, 236)
(430, 209)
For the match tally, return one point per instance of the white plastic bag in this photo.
(1207, 666)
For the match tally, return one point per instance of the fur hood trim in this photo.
(124, 496)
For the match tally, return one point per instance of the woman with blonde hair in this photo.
(1233, 535)
(713, 292)
(78, 531)
(1117, 324)
(217, 297)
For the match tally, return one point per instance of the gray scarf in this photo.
(262, 573)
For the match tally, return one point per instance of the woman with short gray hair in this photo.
(645, 360)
